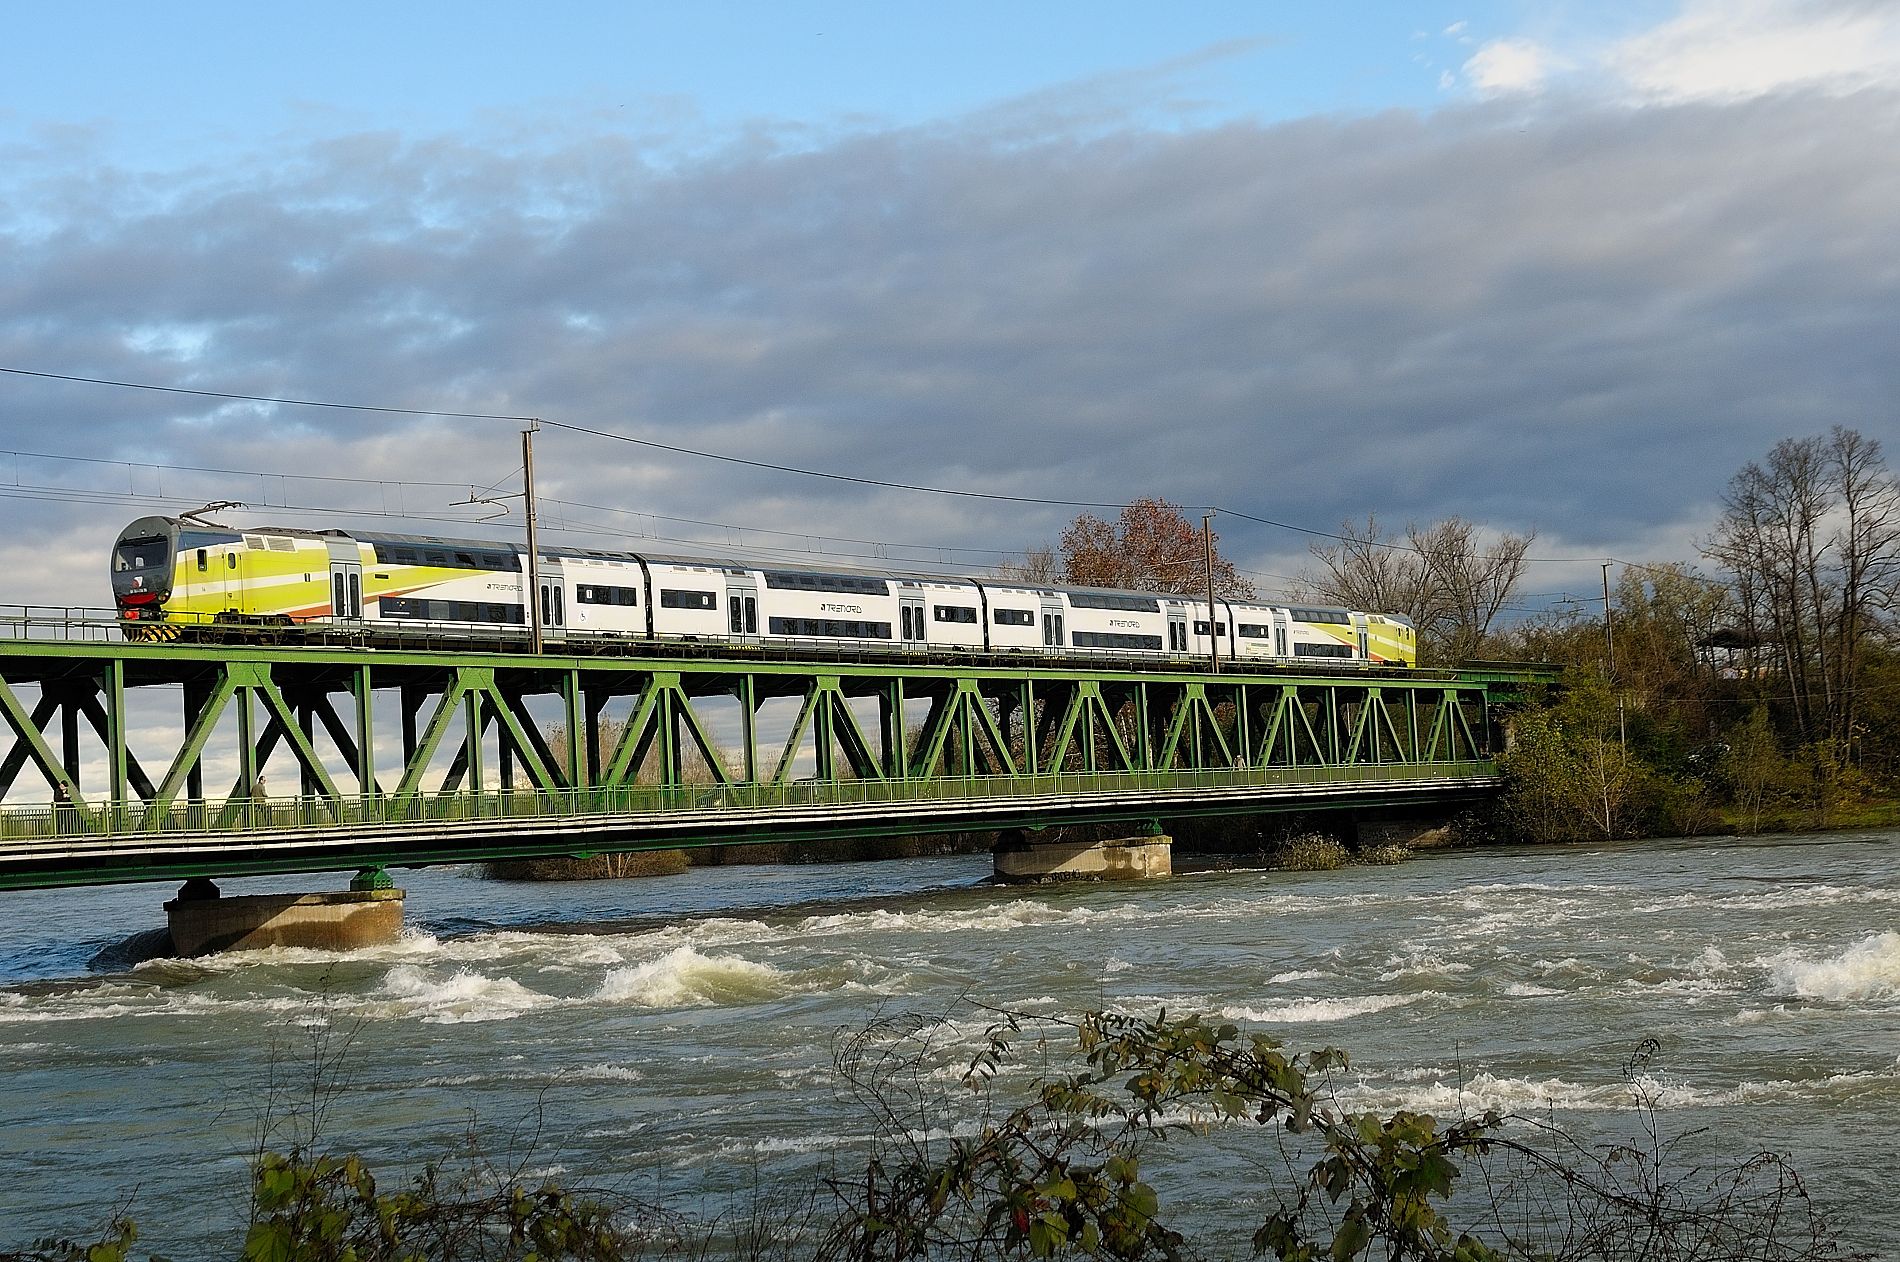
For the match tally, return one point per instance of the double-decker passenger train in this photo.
(179, 577)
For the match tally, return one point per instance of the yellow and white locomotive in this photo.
(174, 577)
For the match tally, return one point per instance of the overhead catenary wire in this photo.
(766, 465)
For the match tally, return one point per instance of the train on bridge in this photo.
(176, 578)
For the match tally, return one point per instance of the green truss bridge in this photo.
(133, 762)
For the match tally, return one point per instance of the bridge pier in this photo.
(204, 922)
(1022, 861)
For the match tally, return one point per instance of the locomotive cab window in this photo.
(139, 554)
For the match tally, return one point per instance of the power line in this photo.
(835, 477)
(233, 473)
(766, 465)
(263, 398)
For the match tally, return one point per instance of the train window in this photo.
(735, 616)
(670, 599)
(1253, 631)
(1320, 650)
(230, 559)
(1014, 618)
(1116, 640)
(955, 613)
(436, 558)
(465, 559)
(496, 561)
(596, 594)
(204, 560)
(1337, 616)
(793, 581)
(403, 556)
(1200, 628)
(356, 596)
(751, 616)
(830, 630)
(1100, 600)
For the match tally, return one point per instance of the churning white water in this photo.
(674, 1035)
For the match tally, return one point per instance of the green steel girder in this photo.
(990, 719)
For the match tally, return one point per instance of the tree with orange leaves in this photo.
(1151, 547)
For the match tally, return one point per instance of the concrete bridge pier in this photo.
(204, 922)
(1022, 860)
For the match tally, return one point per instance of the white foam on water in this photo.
(683, 978)
(463, 996)
(1344, 1008)
(1297, 975)
(1525, 990)
(1421, 964)
(1113, 965)
(1783, 898)
(1710, 962)
(781, 1144)
(1447, 1096)
(600, 1073)
(1870, 969)
(1569, 966)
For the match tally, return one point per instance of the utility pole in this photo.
(1609, 643)
(1207, 555)
(534, 544)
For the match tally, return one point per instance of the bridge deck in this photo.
(444, 756)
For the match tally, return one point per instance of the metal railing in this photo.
(245, 815)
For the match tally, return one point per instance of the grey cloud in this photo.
(1581, 319)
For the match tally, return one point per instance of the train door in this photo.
(553, 600)
(742, 606)
(346, 582)
(1359, 627)
(1279, 633)
(1054, 634)
(1177, 629)
(910, 617)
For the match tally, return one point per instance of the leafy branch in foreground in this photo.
(1063, 1172)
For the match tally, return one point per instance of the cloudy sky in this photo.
(1544, 264)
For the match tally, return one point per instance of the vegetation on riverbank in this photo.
(1061, 1147)
(1760, 694)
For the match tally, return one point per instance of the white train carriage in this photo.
(602, 594)
(1102, 621)
(826, 606)
(948, 612)
(1024, 619)
(687, 597)
(1260, 631)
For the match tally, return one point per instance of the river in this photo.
(673, 1036)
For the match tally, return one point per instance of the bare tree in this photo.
(1444, 577)
(1812, 537)
(1039, 567)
